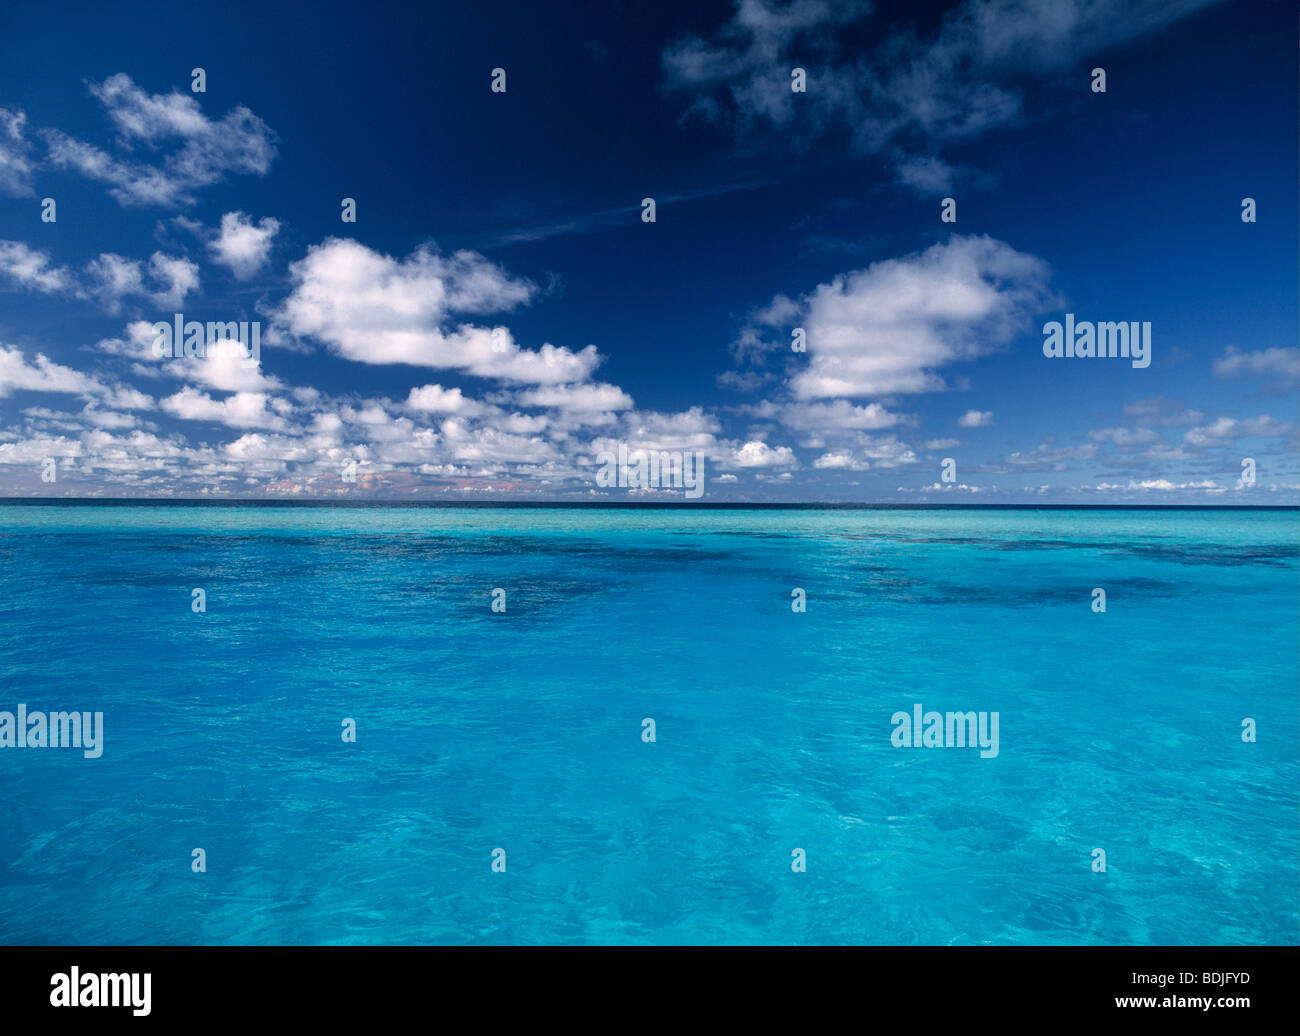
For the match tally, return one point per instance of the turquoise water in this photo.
(523, 730)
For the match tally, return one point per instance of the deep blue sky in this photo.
(1119, 206)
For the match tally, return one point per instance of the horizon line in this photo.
(693, 505)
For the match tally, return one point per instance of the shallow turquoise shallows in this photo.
(1119, 730)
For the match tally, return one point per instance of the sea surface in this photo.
(523, 730)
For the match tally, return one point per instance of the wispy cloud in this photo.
(620, 216)
(1280, 364)
(906, 96)
(208, 149)
(16, 163)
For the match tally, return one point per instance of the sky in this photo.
(502, 315)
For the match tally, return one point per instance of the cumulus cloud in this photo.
(222, 368)
(242, 246)
(166, 281)
(111, 277)
(842, 459)
(492, 447)
(434, 399)
(840, 414)
(108, 278)
(372, 308)
(41, 376)
(241, 410)
(975, 419)
(693, 429)
(590, 403)
(756, 454)
(29, 268)
(866, 452)
(889, 328)
(177, 277)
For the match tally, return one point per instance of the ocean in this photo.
(504, 787)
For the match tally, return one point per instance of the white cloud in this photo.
(868, 452)
(242, 246)
(1157, 410)
(840, 414)
(239, 142)
(975, 419)
(493, 447)
(944, 487)
(1231, 428)
(178, 276)
(123, 397)
(275, 449)
(755, 454)
(30, 268)
(241, 410)
(841, 459)
(111, 278)
(33, 450)
(223, 369)
(16, 165)
(888, 329)
(434, 399)
(1124, 436)
(591, 398)
(692, 429)
(108, 278)
(108, 418)
(1280, 364)
(371, 308)
(136, 345)
(1046, 457)
(42, 376)
(1162, 485)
